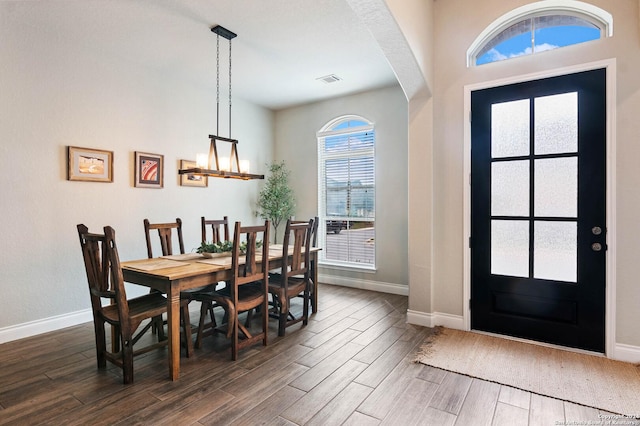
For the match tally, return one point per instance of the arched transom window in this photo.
(540, 26)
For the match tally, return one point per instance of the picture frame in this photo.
(192, 180)
(148, 170)
(89, 164)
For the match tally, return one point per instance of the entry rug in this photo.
(589, 380)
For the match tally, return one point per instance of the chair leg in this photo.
(265, 321)
(312, 299)
(101, 344)
(115, 338)
(274, 305)
(186, 325)
(232, 319)
(204, 308)
(284, 314)
(305, 309)
(127, 362)
(212, 316)
(233, 322)
(282, 324)
(247, 321)
(158, 325)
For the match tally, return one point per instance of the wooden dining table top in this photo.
(177, 266)
(190, 264)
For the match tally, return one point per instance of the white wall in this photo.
(296, 144)
(57, 91)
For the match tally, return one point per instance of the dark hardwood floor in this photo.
(351, 365)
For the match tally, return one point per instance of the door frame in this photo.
(610, 306)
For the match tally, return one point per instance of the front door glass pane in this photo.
(510, 247)
(510, 188)
(510, 129)
(556, 123)
(555, 254)
(556, 187)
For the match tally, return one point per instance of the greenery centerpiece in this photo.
(276, 200)
(221, 247)
(207, 248)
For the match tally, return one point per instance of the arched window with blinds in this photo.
(346, 192)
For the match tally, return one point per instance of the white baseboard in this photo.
(437, 318)
(33, 328)
(626, 353)
(382, 287)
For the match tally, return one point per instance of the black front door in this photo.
(538, 205)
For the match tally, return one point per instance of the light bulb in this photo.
(225, 165)
(202, 161)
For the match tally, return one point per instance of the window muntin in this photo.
(537, 27)
(347, 192)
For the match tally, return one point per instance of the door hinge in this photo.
(470, 116)
(469, 242)
(469, 304)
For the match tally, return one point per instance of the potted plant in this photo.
(276, 200)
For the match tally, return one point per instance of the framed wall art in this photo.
(148, 170)
(192, 180)
(90, 165)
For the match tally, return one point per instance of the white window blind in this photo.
(346, 193)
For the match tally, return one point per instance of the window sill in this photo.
(371, 269)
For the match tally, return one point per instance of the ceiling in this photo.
(282, 48)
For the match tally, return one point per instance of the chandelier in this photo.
(212, 165)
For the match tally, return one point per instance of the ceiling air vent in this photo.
(331, 78)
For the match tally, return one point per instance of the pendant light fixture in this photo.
(213, 166)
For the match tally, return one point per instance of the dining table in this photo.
(174, 274)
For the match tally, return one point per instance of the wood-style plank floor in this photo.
(352, 365)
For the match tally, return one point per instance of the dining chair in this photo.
(126, 316)
(216, 226)
(219, 229)
(166, 235)
(247, 287)
(293, 277)
(313, 290)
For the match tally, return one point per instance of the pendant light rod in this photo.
(229, 87)
(221, 31)
(218, 84)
